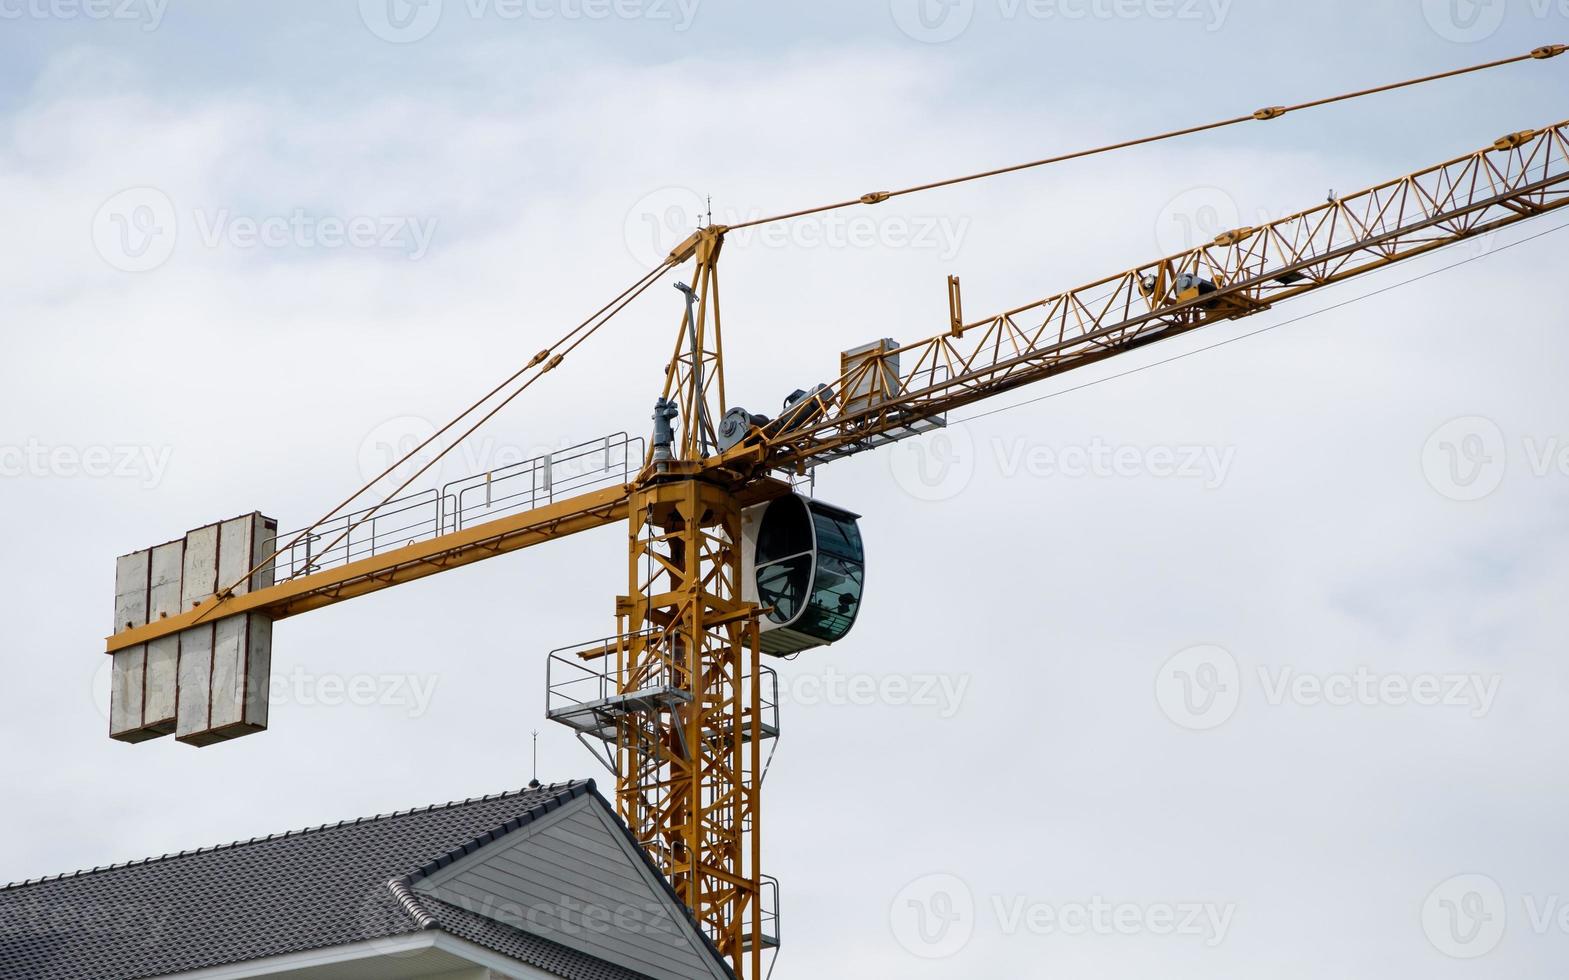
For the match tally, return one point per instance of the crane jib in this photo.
(1243, 272)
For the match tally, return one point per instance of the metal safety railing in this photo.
(462, 503)
(581, 681)
(768, 900)
(895, 424)
(584, 691)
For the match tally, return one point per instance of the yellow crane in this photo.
(727, 563)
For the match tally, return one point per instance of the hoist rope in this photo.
(549, 358)
(1271, 112)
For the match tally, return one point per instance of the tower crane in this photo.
(727, 562)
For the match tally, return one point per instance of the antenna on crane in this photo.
(697, 365)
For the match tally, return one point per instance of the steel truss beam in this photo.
(1520, 176)
(688, 774)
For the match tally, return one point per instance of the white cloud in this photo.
(1053, 601)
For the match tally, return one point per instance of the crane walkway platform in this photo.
(582, 694)
(512, 488)
(598, 718)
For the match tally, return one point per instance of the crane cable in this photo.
(550, 357)
(619, 304)
(1271, 112)
(1268, 327)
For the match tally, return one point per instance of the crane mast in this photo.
(685, 707)
(678, 700)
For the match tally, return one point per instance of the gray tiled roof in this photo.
(310, 889)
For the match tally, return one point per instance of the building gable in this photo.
(574, 877)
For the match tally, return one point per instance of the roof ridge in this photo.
(547, 805)
(402, 887)
(573, 786)
(409, 902)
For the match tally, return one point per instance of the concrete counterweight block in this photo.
(208, 683)
(129, 681)
(225, 665)
(144, 685)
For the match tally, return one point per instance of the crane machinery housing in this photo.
(727, 562)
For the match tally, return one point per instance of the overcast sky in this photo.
(1000, 772)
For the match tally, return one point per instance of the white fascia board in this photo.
(369, 949)
(480, 956)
